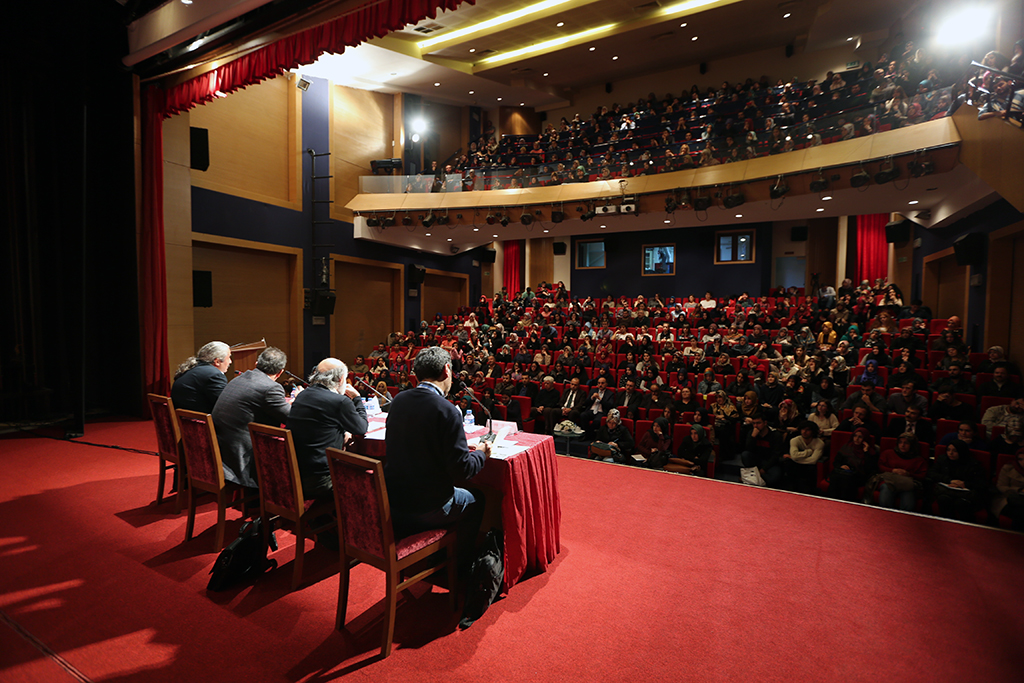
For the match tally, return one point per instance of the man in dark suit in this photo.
(600, 401)
(911, 421)
(546, 400)
(427, 453)
(325, 415)
(1001, 385)
(253, 396)
(631, 399)
(200, 380)
(566, 408)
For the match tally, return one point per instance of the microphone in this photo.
(304, 382)
(489, 436)
(379, 395)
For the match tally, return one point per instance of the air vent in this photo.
(645, 7)
(428, 29)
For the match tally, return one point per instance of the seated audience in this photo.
(694, 453)
(902, 472)
(854, 461)
(1009, 498)
(958, 483)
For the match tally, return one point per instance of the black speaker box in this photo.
(560, 248)
(608, 87)
(897, 232)
(703, 68)
(488, 256)
(798, 233)
(969, 249)
(789, 50)
(199, 155)
(202, 288)
(323, 302)
(416, 275)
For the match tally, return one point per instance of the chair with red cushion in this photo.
(281, 496)
(365, 534)
(168, 444)
(205, 469)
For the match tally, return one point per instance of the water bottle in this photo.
(469, 420)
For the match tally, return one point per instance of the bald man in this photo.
(325, 415)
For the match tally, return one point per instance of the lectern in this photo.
(243, 356)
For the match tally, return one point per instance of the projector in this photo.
(607, 208)
(627, 208)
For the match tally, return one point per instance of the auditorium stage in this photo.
(660, 577)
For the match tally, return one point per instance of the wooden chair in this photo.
(205, 470)
(281, 494)
(169, 450)
(365, 534)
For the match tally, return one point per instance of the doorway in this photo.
(790, 271)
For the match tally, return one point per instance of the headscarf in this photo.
(870, 372)
(613, 415)
(702, 435)
(753, 408)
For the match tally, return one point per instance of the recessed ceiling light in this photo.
(912, 202)
(592, 48)
(449, 239)
(787, 15)
(545, 73)
(472, 49)
(547, 231)
(694, 38)
(186, 2)
(826, 198)
(560, 24)
(667, 220)
(820, 209)
(493, 235)
(499, 99)
(849, 39)
(603, 227)
(615, 57)
(436, 84)
(739, 215)
(682, 25)
(427, 234)
(472, 91)
(476, 229)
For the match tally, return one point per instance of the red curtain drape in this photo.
(512, 270)
(872, 249)
(373, 20)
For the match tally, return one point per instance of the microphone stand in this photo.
(304, 382)
(379, 395)
(489, 436)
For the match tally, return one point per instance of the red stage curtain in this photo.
(872, 249)
(512, 271)
(373, 20)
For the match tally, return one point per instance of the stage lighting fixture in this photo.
(702, 203)
(557, 216)
(920, 168)
(588, 214)
(526, 218)
(731, 201)
(607, 208)
(504, 220)
(407, 220)
(388, 221)
(819, 184)
(671, 204)
(860, 179)
(373, 221)
(429, 220)
(779, 189)
(490, 219)
(443, 219)
(887, 174)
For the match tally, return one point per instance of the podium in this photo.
(244, 356)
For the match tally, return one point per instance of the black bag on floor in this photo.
(244, 557)
(484, 578)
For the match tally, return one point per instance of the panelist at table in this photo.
(200, 379)
(427, 453)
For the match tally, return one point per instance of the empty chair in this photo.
(168, 440)
(205, 469)
(366, 534)
(281, 491)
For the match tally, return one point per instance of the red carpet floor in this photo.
(661, 577)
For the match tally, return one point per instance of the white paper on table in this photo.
(507, 450)
(376, 435)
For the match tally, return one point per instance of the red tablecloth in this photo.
(531, 510)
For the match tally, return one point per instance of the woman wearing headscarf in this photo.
(852, 336)
(806, 338)
(726, 415)
(694, 453)
(827, 335)
(708, 385)
(1009, 500)
(902, 472)
(851, 466)
(656, 444)
(905, 373)
(958, 483)
(615, 437)
(788, 419)
(825, 391)
(771, 393)
(870, 374)
(749, 407)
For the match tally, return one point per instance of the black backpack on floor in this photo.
(244, 557)
(484, 579)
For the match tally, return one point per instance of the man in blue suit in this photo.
(427, 454)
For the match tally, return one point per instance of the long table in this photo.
(531, 510)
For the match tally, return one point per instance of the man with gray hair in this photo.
(325, 415)
(200, 380)
(253, 396)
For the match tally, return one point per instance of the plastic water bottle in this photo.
(469, 420)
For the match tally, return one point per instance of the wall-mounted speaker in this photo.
(322, 303)
(417, 274)
(703, 68)
(970, 249)
(199, 148)
(608, 87)
(798, 233)
(560, 248)
(202, 288)
(897, 232)
(789, 50)
(488, 256)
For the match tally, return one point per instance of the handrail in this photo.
(976, 88)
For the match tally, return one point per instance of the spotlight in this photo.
(820, 184)
(607, 208)
(920, 168)
(373, 221)
(684, 200)
(491, 220)
(429, 220)
(628, 205)
(702, 203)
(886, 175)
(302, 84)
(454, 249)
(388, 221)
(588, 214)
(407, 220)
(557, 216)
(860, 179)
(731, 201)
(671, 204)
(504, 220)
(526, 218)
(443, 220)
(779, 189)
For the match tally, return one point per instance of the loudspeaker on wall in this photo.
(323, 302)
(416, 275)
(798, 233)
(560, 248)
(199, 148)
(897, 232)
(969, 249)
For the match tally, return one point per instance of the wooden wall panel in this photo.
(1015, 339)
(255, 143)
(822, 244)
(541, 265)
(443, 293)
(518, 121)
(178, 239)
(446, 121)
(362, 129)
(951, 297)
(253, 298)
(364, 314)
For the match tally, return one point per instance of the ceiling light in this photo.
(739, 215)
(819, 210)
(885, 175)
(682, 25)
(694, 38)
(389, 221)
(547, 230)
(545, 73)
(449, 239)
(779, 189)
(472, 91)
(731, 201)
(427, 234)
(437, 84)
(701, 203)
(491, 23)
(415, 137)
(472, 49)
(860, 179)
(912, 202)
(826, 198)
(743, 239)
(493, 235)
(428, 220)
(491, 219)
(373, 221)
(476, 229)
(592, 48)
(603, 227)
(504, 221)
(560, 24)
(499, 99)
(667, 220)
(526, 219)
(419, 126)
(186, 2)
(787, 15)
(557, 216)
(406, 219)
(849, 39)
(548, 44)
(521, 104)
(615, 57)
